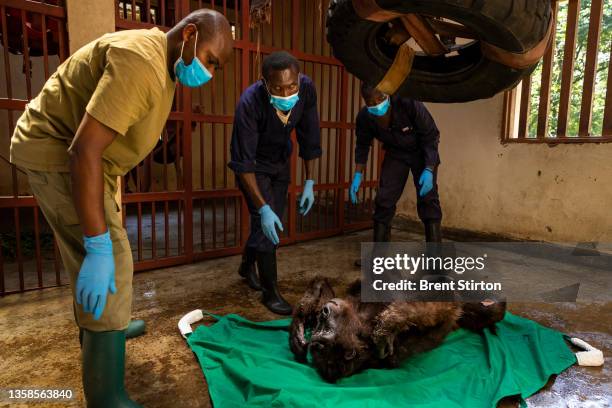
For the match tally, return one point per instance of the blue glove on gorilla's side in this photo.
(307, 199)
(426, 182)
(97, 275)
(269, 220)
(355, 187)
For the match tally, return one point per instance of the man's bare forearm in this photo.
(88, 191)
(86, 174)
(249, 181)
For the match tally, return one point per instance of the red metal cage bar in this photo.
(33, 40)
(205, 195)
(181, 203)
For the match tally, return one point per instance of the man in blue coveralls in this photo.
(268, 110)
(410, 139)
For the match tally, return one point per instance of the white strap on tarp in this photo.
(591, 357)
(186, 321)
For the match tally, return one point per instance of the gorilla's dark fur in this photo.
(348, 336)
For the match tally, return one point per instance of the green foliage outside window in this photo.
(601, 78)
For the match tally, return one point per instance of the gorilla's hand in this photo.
(297, 340)
(384, 344)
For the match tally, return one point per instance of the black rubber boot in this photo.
(247, 268)
(382, 233)
(272, 299)
(432, 232)
(433, 240)
(104, 369)
(135, 328)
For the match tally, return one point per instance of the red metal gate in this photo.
(181, 204)
(34, 42)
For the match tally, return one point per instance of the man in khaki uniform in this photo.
(97, 117)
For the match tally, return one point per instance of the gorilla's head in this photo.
(338, 344)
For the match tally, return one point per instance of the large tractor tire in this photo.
(463, 75)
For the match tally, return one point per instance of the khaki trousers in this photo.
(53, 192)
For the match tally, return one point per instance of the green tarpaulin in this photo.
(250, 364)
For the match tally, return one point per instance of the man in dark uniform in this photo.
(261, 146)
(410, 139)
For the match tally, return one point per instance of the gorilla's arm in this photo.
(399, 317)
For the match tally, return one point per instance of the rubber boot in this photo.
(104, 369)
(433, 239)
(135, 328)
(271, 297)
(247, 268)
(382, 233)
(432, 232)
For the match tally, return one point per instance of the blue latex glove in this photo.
(355, 187)
(307, 199)
(426, 182)
(268, 222)
(97, 275)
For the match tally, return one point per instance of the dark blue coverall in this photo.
(261, 144)
(410, 144)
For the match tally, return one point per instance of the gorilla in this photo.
(345, 335)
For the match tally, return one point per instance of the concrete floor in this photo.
(39, 343)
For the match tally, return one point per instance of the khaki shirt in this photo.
(122, 80)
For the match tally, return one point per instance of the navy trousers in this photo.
(393, 177)
(273, 185)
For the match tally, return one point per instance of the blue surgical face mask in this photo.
(194, 74)
(283, 103)
(380, 109)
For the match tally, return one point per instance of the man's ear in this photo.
(189, 31)
(350, 354)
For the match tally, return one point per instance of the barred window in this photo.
(568, 97)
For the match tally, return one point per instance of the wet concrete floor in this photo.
(39, 342)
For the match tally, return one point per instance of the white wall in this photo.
(561, 193)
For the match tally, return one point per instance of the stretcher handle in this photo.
(186, 321)
(591, 357)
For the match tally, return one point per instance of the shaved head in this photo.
(209, 23)
(214, 47)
